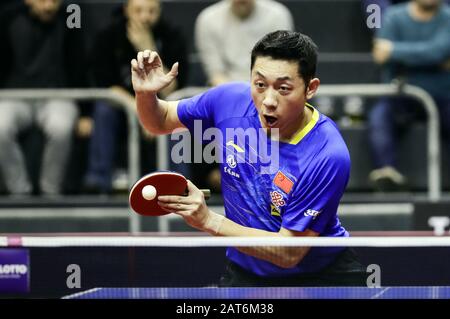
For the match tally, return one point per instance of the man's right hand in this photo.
(147, 73)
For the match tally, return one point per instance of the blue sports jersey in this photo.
(298, 190)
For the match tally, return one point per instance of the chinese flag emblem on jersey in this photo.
(283, 182)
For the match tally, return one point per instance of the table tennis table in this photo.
(417, 292)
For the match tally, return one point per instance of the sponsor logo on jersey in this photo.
(231, 161)
(274, 211)
(236, 147)
(277, 199)
(312, 212)
(229, 171)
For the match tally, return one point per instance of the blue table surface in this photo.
(436, 292)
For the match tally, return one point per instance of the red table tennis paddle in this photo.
(156, 184)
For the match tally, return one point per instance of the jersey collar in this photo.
(314, 119)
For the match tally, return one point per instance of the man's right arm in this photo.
(148, 78)
(157, 116)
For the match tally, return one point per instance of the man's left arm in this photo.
(284, 257)
(195, 212)
(321, 193)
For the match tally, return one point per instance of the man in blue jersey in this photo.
(295, 195)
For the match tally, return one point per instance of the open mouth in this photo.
(271, 121)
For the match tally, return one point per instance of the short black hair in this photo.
(290, 46)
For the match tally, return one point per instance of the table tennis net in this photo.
(60, 266)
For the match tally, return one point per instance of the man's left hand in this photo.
(192, 207)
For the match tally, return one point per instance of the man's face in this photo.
(44, 10)
(242, 8)
(279, 95)
(429, 4)
(145, 12)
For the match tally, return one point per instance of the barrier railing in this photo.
(433, 125)
(367, 90)
(91, 94)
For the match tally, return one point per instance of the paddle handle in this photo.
(206, 193)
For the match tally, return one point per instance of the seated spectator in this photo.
(139, 26)
(413, 44)
(225, 33)
(38, 51)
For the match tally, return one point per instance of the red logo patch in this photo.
(277, 199)
(283, 182)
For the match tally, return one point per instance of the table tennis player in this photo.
(299, 198)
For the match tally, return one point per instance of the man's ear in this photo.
(312, 88)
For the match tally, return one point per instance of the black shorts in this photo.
(345, 270)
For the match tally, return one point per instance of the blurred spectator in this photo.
(384, 4)
(225, 33)
(38, 51)
(138, 26)
(413, 44)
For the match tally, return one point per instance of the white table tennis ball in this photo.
(149, 192)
